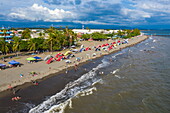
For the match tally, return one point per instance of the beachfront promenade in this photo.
(11, 76)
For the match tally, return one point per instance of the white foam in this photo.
(117, 55)
(153, 47)
(118, 76)
(154, 40)
(150, 37)
(61, 107)
(59, 101)
(115, 71)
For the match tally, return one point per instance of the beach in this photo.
(11, 76)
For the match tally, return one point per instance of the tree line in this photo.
(120, 34)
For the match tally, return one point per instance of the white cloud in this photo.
(136, 14)
(90, 22)
(37, 12)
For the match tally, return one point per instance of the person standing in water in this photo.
(75, 67)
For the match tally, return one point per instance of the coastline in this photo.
(11, 76)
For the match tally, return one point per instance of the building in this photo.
(6, 33)
(90, 31)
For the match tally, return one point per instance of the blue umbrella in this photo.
(36, 57)
(13, 62)
(2, 65)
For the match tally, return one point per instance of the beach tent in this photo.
(58, 55)
(73, 46)
(75, 50)
(47, 57)
(103, 48)
(68, 61)
(30, 58)
(60, 58)
(68, 52)
(103, 45)
(94, 54)
(49, 61)
(81, 49)
(78, 58)
(36, 57)
(88, 48)
(2, 65)
(13, 62)
(98, 46)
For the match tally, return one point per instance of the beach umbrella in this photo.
(2, 65)
(75, 50)
(36, 57)
(73, 46)
(68, 52)
(13, 62)
(47, 57)
(31, 58)
(78, 58)
(68, 61)
(58, 55)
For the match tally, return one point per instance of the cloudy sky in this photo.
(96, 12)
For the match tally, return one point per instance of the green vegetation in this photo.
(120, 34)
(56, 40)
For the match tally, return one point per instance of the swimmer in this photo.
(35, 83)
(101, 72)
(16, 98)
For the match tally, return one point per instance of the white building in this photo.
(90, 31)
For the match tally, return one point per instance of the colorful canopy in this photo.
(68, 52)
(13, 62)
(36, 57)
(2, 65)
(31, 58)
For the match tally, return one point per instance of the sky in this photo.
(130, 13)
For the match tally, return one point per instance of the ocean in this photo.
(133, 80)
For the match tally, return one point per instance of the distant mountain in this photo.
(71, 25)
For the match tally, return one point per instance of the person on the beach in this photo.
(10, 87)
(21, 75)
(16, 98)
(75, 66)
(13, 91)
(35, 83)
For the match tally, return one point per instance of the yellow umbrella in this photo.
(68, 52)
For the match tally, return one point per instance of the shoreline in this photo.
(54, 69)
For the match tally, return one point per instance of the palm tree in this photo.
(16, 44)
(51, 40)
(35, 44)
(5, 46)
(70, 36)
(26, 34)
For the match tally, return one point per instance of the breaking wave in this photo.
(58, 102)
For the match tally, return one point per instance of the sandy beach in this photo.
(11, 76)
